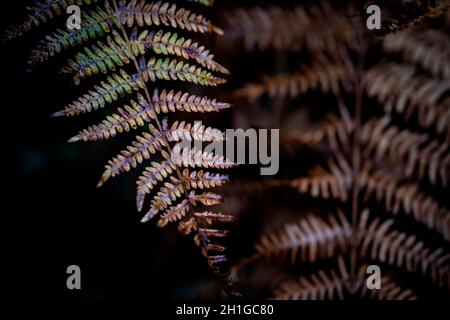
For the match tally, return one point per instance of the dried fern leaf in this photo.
(171, 101)
(125, 120)
(310, 239)
(398, 196)
(170, 43)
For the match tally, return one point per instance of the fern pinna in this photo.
(114, 38)
(365, 132)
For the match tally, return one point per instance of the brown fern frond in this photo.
(204, 180)
(426, 48)
(392, 26)
(142, 148)
(291, 28)
(324, 76)
(115, 86)
(400, 90)
(163, 13)
(174, 213)
(122, 84)
(103, 57)
(415, 152)
(191, 157)
(335, 284)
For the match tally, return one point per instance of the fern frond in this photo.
(166, 69)
(144, 146)
(392, 26)
(157, 13)
(191, 157)
(96, 23)
(408, 197)
(153, 174)
(181, 131)
(174, 213)
(126, 119)
(337, 283)
(115, 86)
(168, 194)
(310, 239)
(315, 28)
(381, 243)
(188, 180)
(204, 180)
(389, 290)
(320, 182)
(122, 83)
(324, 76)
(102, 57)
(174, 198)
(425, 48)
(399, 89)
(318, 286)
(168, 43)
(205, 198)
(334, 131)
(40, 13)
(421, 154)
(204, 2)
